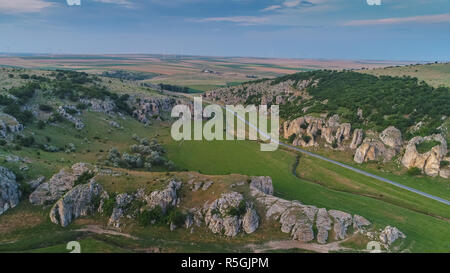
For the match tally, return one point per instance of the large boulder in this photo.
(220, 219)
(121, 202)
(82, 200)
(392, 137)
(390, 234)
(164, 198)
(262, 183)
(370, 150)
(342, 221)
(357, 138)
(250, 222)
(9, 190)
(323, 224)
(428, 162)
(58, 185)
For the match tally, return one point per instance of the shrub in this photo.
(84, 178)
(45, 108)
(176, 217)
(24, 141)
(414, 171)
(109, 204)
(146, 217)
(306, 138)
(41, 124)
(334, 144)
(292, 138)
(239, 210)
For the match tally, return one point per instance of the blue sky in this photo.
(336, 29)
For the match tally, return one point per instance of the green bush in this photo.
(176, 217)
(306, 138)
(146, 217)
(414, 171)
(292, 138)
(109, 204)
(84, 178)
(239, 210)
(45, 108)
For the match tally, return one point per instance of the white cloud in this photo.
(125, 3)
(73, 2)
(269, 8)
(23, 6)
(244, 20)
(437, 18)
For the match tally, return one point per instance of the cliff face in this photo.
(9, 190)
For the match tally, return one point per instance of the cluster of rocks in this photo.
(152, 108)
(80, 201)
(429, 162)
(230, 214)
(59, 184)
(301, 220)
(9, 190)
(261, 93)
(79, 125)
(9, 124)
(330, 130)
(384, 148)
(106, 106)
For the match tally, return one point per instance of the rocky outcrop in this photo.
(106, 106)
(428, 162)
(82, 200)
(392, 137)
(9, 190)
(164, 198)
(121, 203)
(360, 222)
(58, 185)
(357, 138)
(76, 121)
(8, 124)
(250, 221)
(370, 150)
(390, 234)
(323, 225)
(299, 220)
(342, 221)
(229, 214)
(262, 183)
(151, 108)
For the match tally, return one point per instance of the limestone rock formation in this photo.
(9, 190)
(357, 138)
(390, 234)
(360, 222)
(323, 224)
(9, 123)
(59, 184)
(250, 221)
(370, 150)
(223, 215)
(392, 137)
(428, 162)
(121, 202)
(82, 200)
(262, 183)
(76, 121)
(164, 198)
(342, 221)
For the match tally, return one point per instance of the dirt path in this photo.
(292, 244)
(99, 230)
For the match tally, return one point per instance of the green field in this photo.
(434, 74)
(402, 209)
